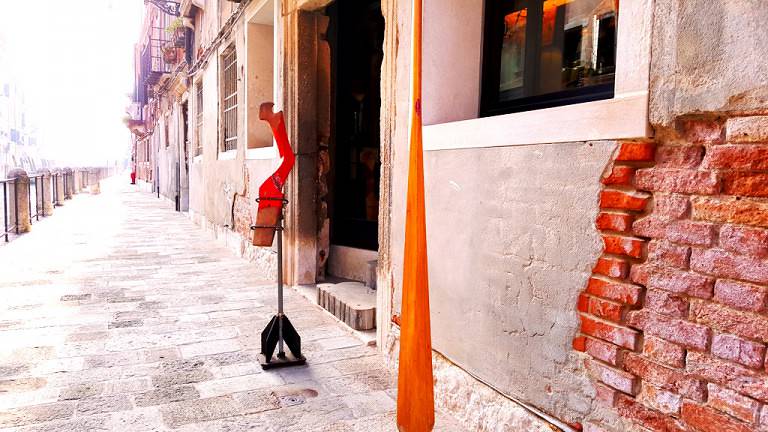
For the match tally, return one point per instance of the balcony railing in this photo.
(153, 63)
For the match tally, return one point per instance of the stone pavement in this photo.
(119, 314)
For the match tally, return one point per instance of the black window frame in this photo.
(493, 35)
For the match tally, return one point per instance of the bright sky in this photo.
(74, 59)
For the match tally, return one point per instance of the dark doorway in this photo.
(356, 37)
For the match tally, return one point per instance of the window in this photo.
(229, 100)
(546, 53)
(199, 119)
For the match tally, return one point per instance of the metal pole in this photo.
(37, 198)
(16, 204)
(280, 351)
(29, 198)
(5, 209)
(42, 195)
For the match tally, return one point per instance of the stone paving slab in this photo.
(119, 314)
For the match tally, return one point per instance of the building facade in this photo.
(595, 182)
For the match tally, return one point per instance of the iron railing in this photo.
(39, 192)
(8, 184)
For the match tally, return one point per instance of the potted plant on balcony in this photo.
(176, 30)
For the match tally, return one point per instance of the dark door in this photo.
(356, 35)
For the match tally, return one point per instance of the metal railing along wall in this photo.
(37, 188)
(9, 185)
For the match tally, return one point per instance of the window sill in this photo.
(622, 117)
(261, 153)
(227, 155)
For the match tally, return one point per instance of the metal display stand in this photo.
(279, 331)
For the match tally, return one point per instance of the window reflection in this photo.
(551, 50)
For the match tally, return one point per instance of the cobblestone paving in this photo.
(119, 314)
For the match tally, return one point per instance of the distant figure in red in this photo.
(133, 177)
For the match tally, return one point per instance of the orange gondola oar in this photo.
(415, 395)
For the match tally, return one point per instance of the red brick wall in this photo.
(674, 320)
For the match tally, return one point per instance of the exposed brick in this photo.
(746, 129)
(647, 418)
(608, 221)
(664, 352)
(666, 304)
(745, 184)
(731, 210)
(682, 282)
(691, 233)
(660, 400)
(669, 254)
(723, 318)
(617, 335)
(730, 402)
(640, 273)
(580, 343)
(701, 130)
(681, 332)
(669, 379)
(605, 394)
(671, 206)
(722, 263)
(632, 151)
(600, 350)
(620, 292)
(741, 351)
(583, 303)
(605, 309)
(620, 175)
(621, 200)
(613, 267)
(737, 157)
(679, 156)
(611, 377)
(745, 240)
(741, 295)
(677, 180)
(705, 419)
(731, 375)
(621, 245)
(764, 418)
(650, 226)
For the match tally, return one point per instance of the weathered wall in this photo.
(708, 56)
(512, 232)
(223, 186)
(511, 241)
(675, 322)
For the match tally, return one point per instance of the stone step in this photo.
(351, 302)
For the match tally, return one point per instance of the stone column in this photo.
(67, 172)
(45, 192)
(78, 176)
(59, 184)
(18, 202)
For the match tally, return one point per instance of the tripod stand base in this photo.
(278, 362)
(280, 328)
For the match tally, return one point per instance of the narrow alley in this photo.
(119, 314)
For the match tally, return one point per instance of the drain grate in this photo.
(292, 400)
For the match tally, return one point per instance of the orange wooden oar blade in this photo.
(415, 397)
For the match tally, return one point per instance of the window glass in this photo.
(541, 53)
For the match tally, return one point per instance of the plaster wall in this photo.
(260, 77)
(511, 243)
(510, 230)
(708, 56)
(223, 185)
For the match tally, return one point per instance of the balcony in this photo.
(160, 55)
